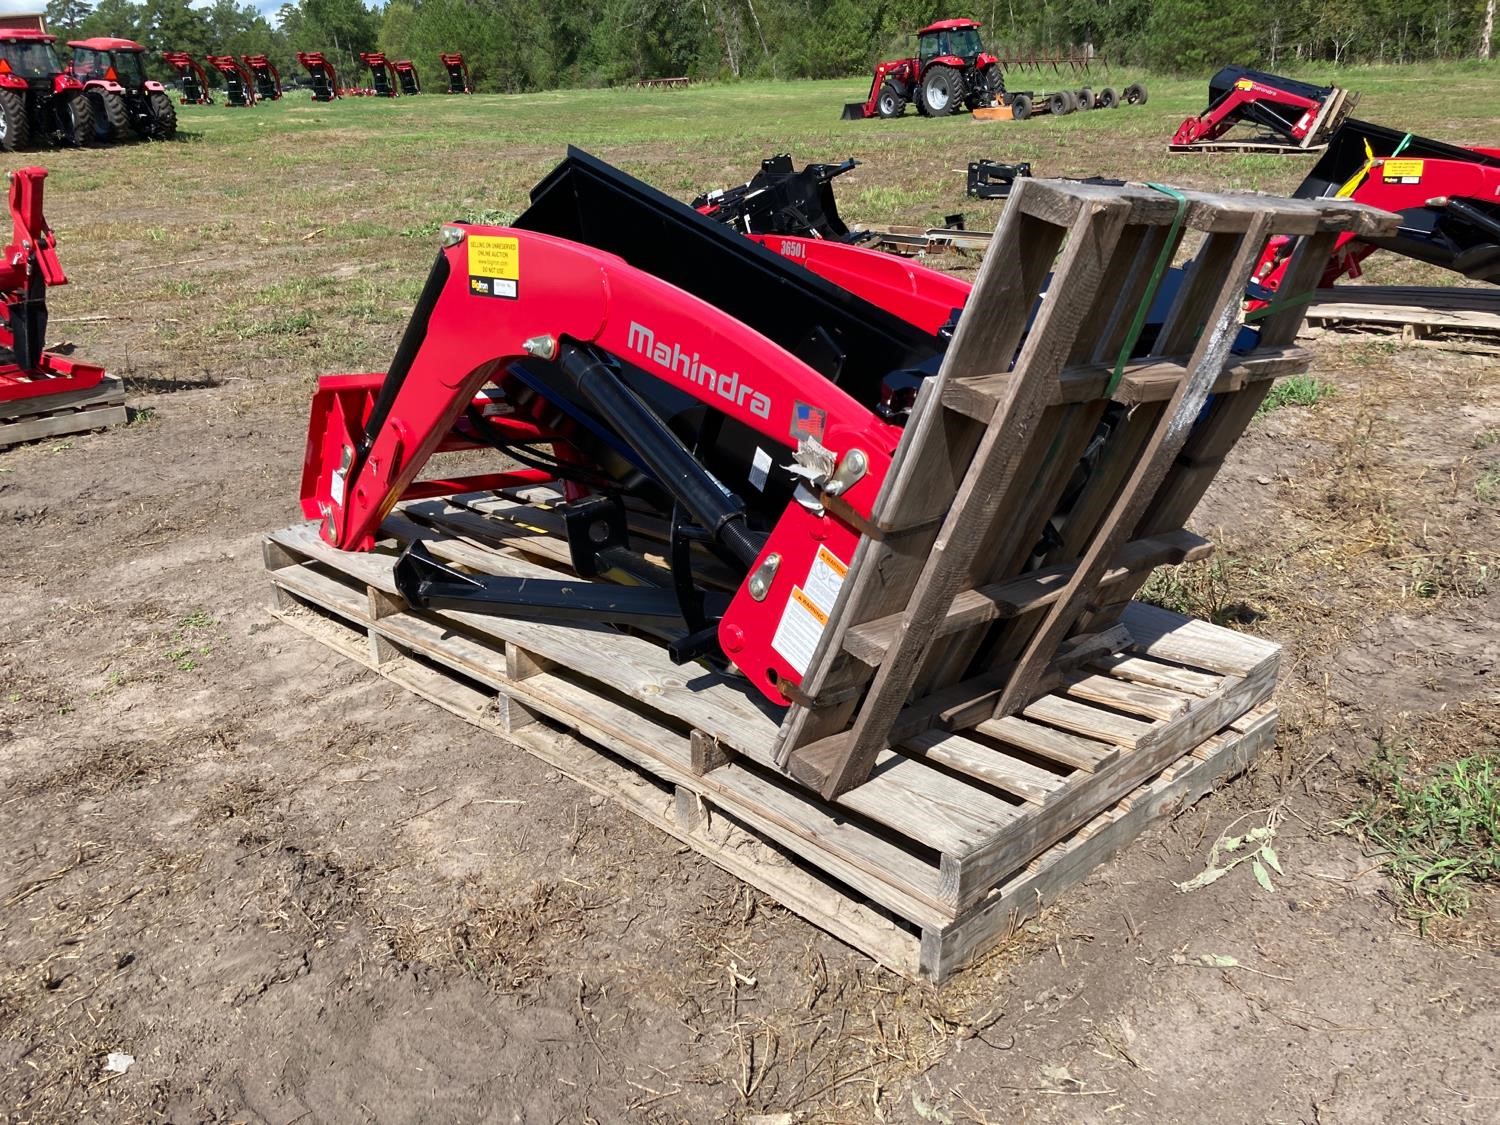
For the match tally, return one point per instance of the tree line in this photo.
(519, 45)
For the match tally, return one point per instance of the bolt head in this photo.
(543, 347)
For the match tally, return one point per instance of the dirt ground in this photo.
(292, 893)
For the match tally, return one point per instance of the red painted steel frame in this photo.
(571, 292)
(33, 247)
(918, 295)
(1218, 119)
(314, 62)
(259, 63)
(231, 67)
(457, 68)
(185, 64)
(1439, 179)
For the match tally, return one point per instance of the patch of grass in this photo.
(1461, 574)
(192, 641)
(1439, 836)
(1205, 590)
(1297, 390)
(1486, 438)
(1487, 487)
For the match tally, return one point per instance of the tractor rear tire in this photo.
(890, 102)
(1108, 99)
(941, 91)
(76, 121)
(1084, 98)
(1060, 104)
(15, 126)
(165, 113)
(1020, 107)
(1135, 94)
(111, 122)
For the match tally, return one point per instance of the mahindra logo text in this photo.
(694, 370)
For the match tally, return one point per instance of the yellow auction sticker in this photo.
(494, 265)
(1403, 171)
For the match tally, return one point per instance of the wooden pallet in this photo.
(1414, 312)
(1330, 116)
(948, 618)
(932, 855)
(1256, 148)
(70, 412)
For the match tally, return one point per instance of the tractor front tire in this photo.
(111, 122)
(1084, 98)
(941, 91)
(1108, 99)
(890, 102)
(75, 119)
(1020, 107)
(165, 113)
(1135, 94)
(15, 126)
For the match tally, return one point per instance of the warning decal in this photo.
(806, 613)
(494, 265)
(1403, 171)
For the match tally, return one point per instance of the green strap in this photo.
(1406, 140)
(1158, 272)
(1280, 306)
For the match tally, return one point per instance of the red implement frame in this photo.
(239, 83)
(325, 80)
(458, 74)
(28, 268)
(407, 77)
(189, 73)
(267, 77)
(382, 74)
(570, 294)
(1403, 184)
(1308, 115)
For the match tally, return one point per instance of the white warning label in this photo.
(806, 613)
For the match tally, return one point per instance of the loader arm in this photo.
(517, 310)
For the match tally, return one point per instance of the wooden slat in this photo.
(996, 465)
(1138, 699)
(1156, 459)
(1141, 671)
(985, 763)
(1086, 754)
(1091, 722)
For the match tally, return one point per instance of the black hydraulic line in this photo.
(1474, 216)
(670, 462)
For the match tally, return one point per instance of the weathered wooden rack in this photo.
(69, 412)
(988, 571)
(988, 714)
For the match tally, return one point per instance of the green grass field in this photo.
(308, 223)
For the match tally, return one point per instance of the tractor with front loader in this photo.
(950, 69)
(40, 102)
(122, 100)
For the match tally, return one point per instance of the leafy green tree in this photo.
(65, 16)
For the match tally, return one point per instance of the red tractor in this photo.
(122, 99)
(951, 68)
(39, 100)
